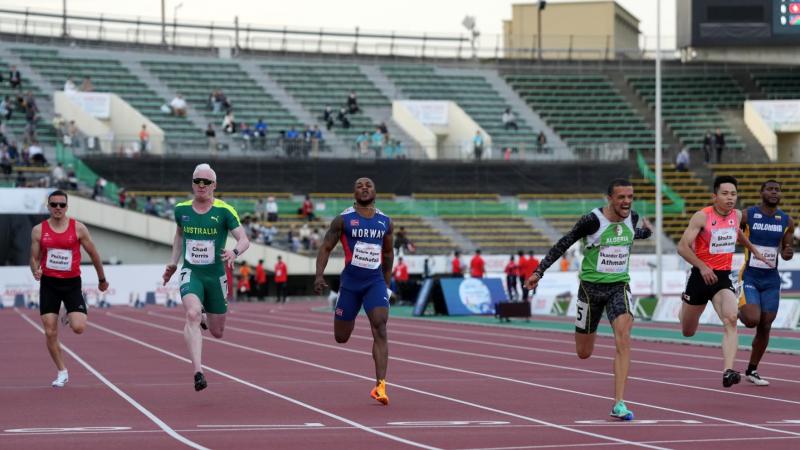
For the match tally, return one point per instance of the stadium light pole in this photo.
(541, 5)
(64, 18)
(175, 23)
(163, 23)
(659, 168)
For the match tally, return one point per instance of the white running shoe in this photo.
(61, 379)
(754, 378)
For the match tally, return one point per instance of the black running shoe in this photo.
(199, 381)
(730, 377)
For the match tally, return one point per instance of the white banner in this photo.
(23, 201)
(96, 104)
(667, 311)
(127, 283)
(427, 112)
(781, 115)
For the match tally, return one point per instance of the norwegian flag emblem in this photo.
(339, 312)
(353, 222)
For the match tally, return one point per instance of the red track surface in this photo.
(278, 380)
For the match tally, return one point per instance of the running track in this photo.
(278, 380)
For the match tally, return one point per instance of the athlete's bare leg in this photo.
(191, 331)
(50, 324)
(622, 326)
(726, 306)
(689, 317)
(380, 344)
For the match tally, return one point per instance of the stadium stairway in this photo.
(527, 114)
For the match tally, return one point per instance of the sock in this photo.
(63, 372)
(751, 368)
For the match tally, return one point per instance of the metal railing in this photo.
(204, 37)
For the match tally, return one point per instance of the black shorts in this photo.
(593, 298)
(698, 293)
(53, 291)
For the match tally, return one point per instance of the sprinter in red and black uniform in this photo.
(56, 263)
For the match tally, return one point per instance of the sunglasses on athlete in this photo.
(203, 181)
(58, 205)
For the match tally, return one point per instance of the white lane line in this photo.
(667, 442)
(515, 360)
(265, 390)
(453, 369)
(515, 347)
(410, 389)
(457, 328)
(167, 429)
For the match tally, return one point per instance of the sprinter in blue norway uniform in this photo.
(770, 230)
(366, 236)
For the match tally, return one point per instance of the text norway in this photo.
(368, 233)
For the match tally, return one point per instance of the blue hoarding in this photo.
(468, 296)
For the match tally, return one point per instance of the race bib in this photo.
(200, 252)
(581, 311)
(769, 253)
(186, 275)
(723, 240)
(59, 259)
(366, 256)
(613, 259)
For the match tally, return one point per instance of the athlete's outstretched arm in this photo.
(387, 252)
(787, 251)
(242, 244)
(329, 242)
(585, 226)
(88, 245)
(36, 239)
(177, 246)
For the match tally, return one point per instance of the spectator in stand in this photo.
(211, 138)
(144, 139)
(378, 140)
(5, 161)
(708, 143)
(269, 234)
(281, 278)
(315, 239)
(327, 117)
(229, 122)
(512, 273)
(272, 209)
(59, 176)
(6, 108)
(71, 138)
(305, 236)
(509, 120)
(121, 197)
(150, 207)
(243, 287)
(343, 119)
(316, 140)
(541, 143)
(531, 267)
(13, 152)
(246, 133)
(36, 154)
(400, 275)
(178, 106)
(362, 143)
(86, 85)
(133, 203)
(99, 189)
(261, 128)
(719, 144)
(477, 145)
(307, 208)
(456, 267)
(14, 78)
(261, 281)
(292, 142)
(682, 160)
(260, 210)
(69, 86)
(400, 241)
(352, 103)
(477, 267)
(306, 144)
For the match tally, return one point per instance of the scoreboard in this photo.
(732, 23)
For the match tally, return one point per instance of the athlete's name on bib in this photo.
(723, 240)
(611, 262)
(367, 233)
(200, 230)
(768, 227)
(371, 260)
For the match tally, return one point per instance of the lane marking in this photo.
(437, 366)
(263, 389)
(120, 392)
(302, 425)
(66, 430)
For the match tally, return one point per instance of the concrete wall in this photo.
(414, 129)
(761, 130)
(789, 147)
(592, 29)
(122, 129)
(450, 141)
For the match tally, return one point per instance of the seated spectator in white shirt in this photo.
(509, 120)
(178, 105)
(69, 86)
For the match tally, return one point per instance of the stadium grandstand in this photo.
(476, 148)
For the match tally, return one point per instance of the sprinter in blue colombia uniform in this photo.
(366, 236)
(770, 230)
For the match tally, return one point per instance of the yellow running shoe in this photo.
(379, 392)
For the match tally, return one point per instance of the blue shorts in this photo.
(371, 294)
(764, 291)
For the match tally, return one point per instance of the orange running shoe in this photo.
(379, 392)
